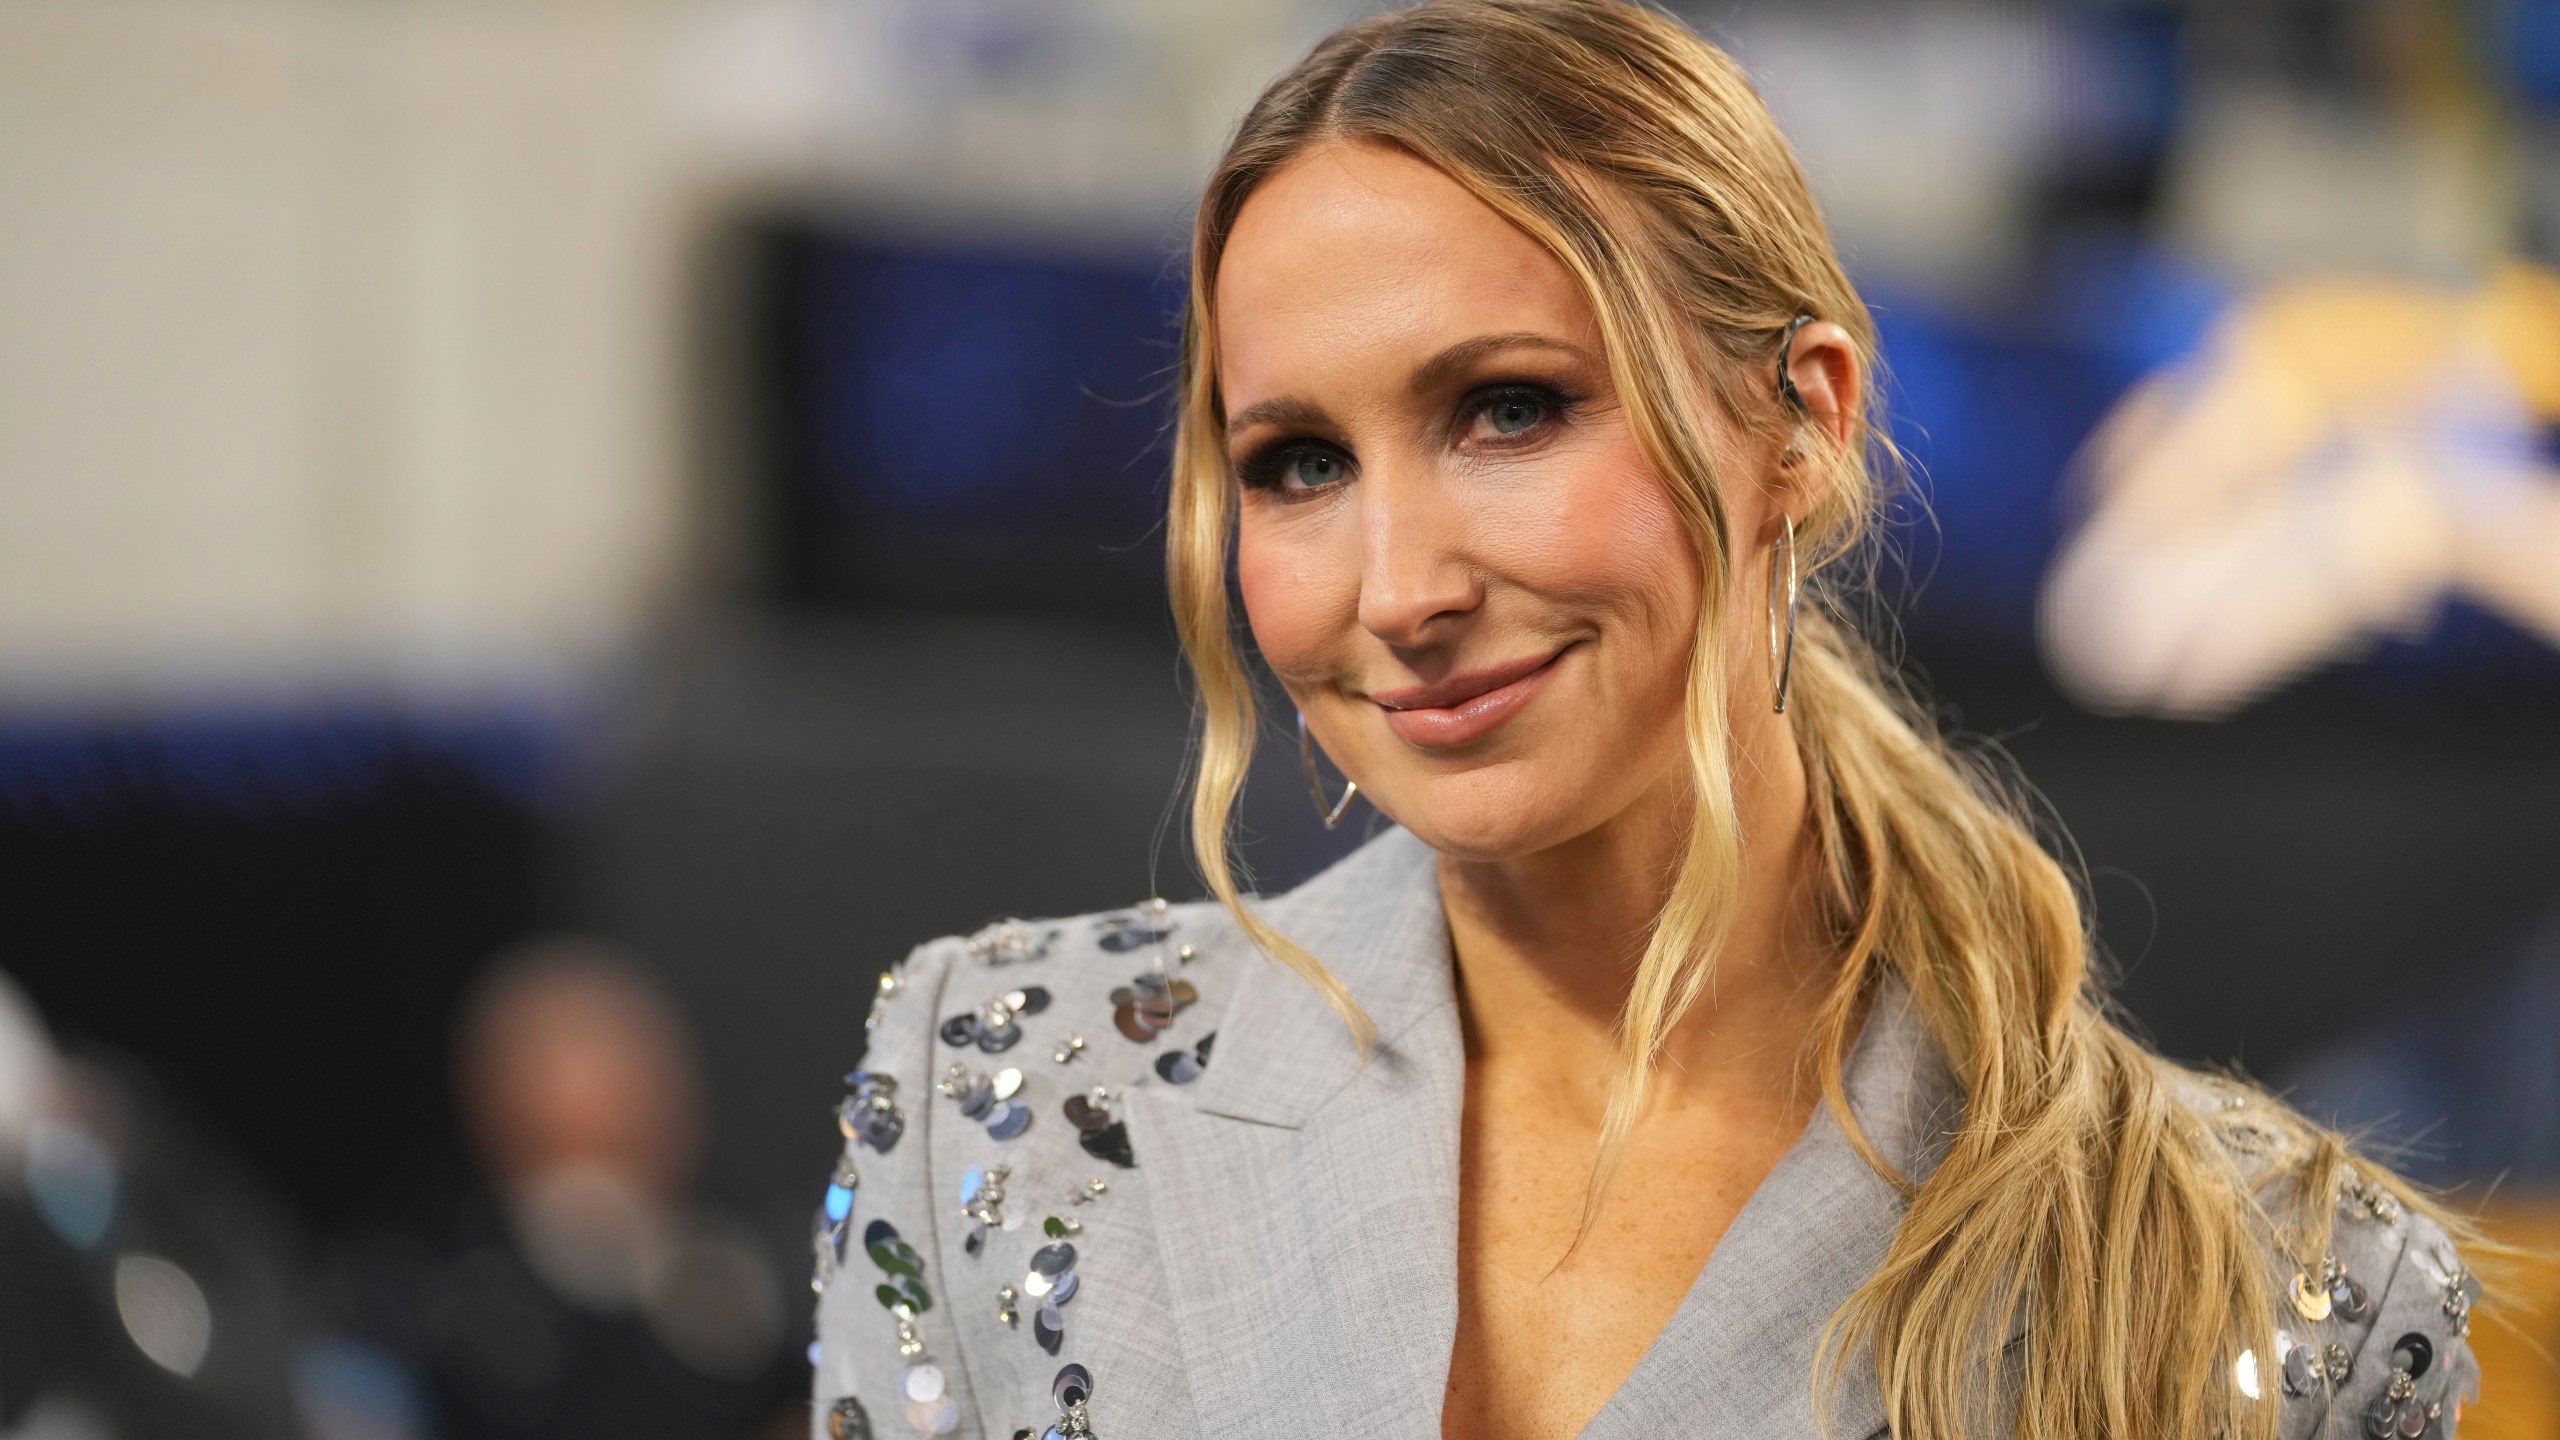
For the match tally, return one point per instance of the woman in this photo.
(1704, 1049)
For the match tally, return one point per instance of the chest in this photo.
(1549, 1329)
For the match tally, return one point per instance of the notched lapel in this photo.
(1305, 1203)
(1375, 921)
(1737, 1359)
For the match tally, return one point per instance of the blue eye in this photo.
(1294, 468)
(1511, 414)
(1313, 468)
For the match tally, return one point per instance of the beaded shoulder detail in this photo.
(2374, 1315)
(998, 1070)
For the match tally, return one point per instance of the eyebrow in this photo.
(1440, 369)
(1430, 375)
(1286, 413)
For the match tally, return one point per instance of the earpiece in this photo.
(1787, 391)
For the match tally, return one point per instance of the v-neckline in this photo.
(1741, 1356)
(1307, 1201)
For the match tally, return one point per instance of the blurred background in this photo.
(543, 542)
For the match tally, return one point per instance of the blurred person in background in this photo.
(1705, 1047)
(585, 1292)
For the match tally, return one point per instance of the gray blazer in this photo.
(1281, 1258)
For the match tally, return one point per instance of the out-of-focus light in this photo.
(352, 1391)
(58, 1417)
(72, 1180)
(2246, 1373)
(716, 1306)
(165, 1312)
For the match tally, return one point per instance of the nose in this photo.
(1415, 582)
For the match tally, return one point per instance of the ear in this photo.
(1830, 381)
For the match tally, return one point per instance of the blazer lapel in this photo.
(1738, 1357)
(1306, 1202)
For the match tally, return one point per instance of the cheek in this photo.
(1300, 599)
(1609, 542)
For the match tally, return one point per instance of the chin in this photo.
(1490, 814)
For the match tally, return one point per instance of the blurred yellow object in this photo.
(2343, 457)
(2350, 345)
(2518, 1346)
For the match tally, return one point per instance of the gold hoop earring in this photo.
(1315, 787)
(1782, 615)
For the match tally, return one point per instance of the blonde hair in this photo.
(2080, 1185)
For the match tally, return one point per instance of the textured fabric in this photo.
(1282, 1261)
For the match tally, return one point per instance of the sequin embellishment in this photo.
(1010, 942)
(2461, 1292)
(1103, 1135)
(2369, 1201)
(2397, 1413)
(1052, 1281)
(995, 1026)
(2347, 1298)
(930, 1407)
(2310, 1300)
(988, 1099)
(899, 1261)
(1126, 930)
(835, 1211)
(881, 994)
(870, 1115)
(847, 1420)
(1144, 1007)
(1181, 1067)
(982, 1202)
(1071, 1389)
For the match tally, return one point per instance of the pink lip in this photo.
(1464, 707)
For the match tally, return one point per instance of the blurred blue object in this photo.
(2526, 47)
(348, 1390)
(1990, 410)
(1004, 390)
(966, 425)
(71, 1179)
(280, 757)
(2465, 1089)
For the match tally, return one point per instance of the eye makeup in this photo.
(1509, 414)
(1313, 465)
(1502, 415)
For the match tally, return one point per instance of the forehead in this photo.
(1356, 255)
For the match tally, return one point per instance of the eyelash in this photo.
(1264, 467)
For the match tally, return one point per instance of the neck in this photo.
(1547, 944)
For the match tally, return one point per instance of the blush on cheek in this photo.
(1298, 619)
(1655, 559)
(1607, 542)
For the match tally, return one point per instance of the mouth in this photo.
(1465, 707)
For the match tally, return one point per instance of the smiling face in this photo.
(1453, 551)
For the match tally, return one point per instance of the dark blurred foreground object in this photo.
(143, 1287)
(583, 1292)
(248, 896)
